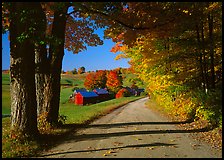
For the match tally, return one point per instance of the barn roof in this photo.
(88, 94)
(101, 91)
(141, 90)
(80, 90)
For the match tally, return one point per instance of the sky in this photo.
(94, 58)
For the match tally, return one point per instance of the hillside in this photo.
(68, 84)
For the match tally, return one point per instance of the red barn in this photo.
(83, 98)
(102, 93)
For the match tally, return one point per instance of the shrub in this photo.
(123, 93)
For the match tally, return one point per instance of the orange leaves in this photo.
(114, 81)
(119, 47)
(123, 93)
(95, 80)
(90, 81)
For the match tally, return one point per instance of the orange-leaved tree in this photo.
(90, 82)
(114, 81)
(96, 80)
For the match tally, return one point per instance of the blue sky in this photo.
(94, 58)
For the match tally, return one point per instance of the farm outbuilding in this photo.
(83, 98)
(79, 90)
(102, 93)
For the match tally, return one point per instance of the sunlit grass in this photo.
(81, 114)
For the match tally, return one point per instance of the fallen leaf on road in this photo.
(118, 143)
(151, 148)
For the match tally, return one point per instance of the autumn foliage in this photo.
(96, 80)
(123, 93)
(114, 81)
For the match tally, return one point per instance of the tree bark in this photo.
(200, 58)
(211, 46)
(41, 62)
(22, 70)
(205, 63)
(56, 53)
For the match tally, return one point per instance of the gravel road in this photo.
(132, 131)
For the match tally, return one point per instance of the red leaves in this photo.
(96, 80)
(114, 81)
(122, 93)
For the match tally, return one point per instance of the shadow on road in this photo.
(72, 136)
(111, 148)
(120, 134)
(132, 123)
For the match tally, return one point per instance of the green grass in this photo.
(70, 80)
(73, 80)
(5, 94)
(82, 114)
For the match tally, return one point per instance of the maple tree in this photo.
(90, 82)
(23, 31)
(96, 79)
(123, 92)
(191, 35)
(49, 50)
(114, 81)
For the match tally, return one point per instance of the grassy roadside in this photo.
(76, 115)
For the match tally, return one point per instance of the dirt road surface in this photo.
(129, 132)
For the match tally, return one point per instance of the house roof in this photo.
(141, 90)
(80, 90)
(88, 94)
(101, 91)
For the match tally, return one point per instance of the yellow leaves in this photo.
(213, 6)
(108, 153)
(186, 12)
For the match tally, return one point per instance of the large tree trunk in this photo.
(56, 53)
(42, 63)
(22, 70)
(42, 72)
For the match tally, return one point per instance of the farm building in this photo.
(139, 91)
(102, 93)
(83, 98)
(79, 90)
(132, 91)
(135, 92)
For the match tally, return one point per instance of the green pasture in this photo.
(68, 83)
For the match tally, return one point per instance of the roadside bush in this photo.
(62, 119)
(144, 94)
(123, 93)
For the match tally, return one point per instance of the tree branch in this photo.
(125, 24)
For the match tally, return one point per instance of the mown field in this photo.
(68, 83)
